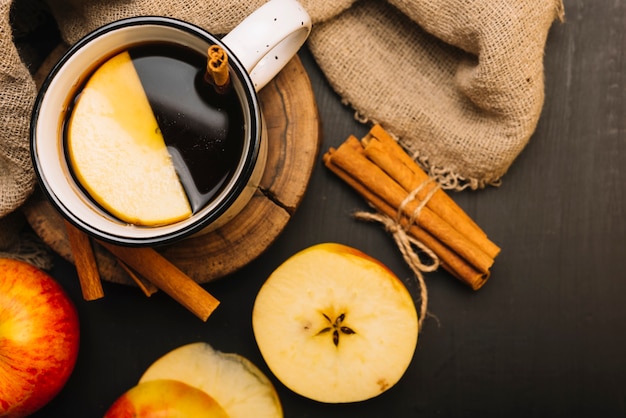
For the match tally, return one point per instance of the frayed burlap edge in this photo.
(446, 178)
(492, 133)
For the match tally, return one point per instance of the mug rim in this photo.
(196, 222)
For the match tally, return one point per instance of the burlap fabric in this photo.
(459, 83)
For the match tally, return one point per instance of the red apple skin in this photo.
(164, 398)
(39, 338)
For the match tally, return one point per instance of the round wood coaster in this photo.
(292, 121)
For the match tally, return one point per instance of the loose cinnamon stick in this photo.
(450, 261)
(391, 158)
(85, 262)
(167, 277)
(217, 68)
(144, 285)
(373, 178)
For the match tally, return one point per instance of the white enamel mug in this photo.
(258, 48)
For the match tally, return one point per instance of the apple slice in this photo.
(335, 325)
(117, 151)
(231, 379)
(165, 398)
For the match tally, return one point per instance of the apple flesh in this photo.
(231, 379)
(39, 338)
(165, 398)
(335, 325)
(117, 151)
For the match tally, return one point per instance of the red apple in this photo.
(39, 338)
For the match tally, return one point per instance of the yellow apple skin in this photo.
(347, 250)
(165, 398)
(39, 338)
(335, 325)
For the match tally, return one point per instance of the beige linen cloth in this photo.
(459, 83)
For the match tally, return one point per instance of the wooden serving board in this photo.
(292, 122)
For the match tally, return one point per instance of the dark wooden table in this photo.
(545, 337)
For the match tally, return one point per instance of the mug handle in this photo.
(266, 40)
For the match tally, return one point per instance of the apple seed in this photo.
(336, 327)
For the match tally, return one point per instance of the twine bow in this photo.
(408, 244)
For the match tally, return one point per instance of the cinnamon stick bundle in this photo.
(378, 169)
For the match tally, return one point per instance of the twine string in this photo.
(408, 244)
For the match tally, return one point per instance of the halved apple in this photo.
(231, 379)
(117, 151)
(335, 325)
(165, 398)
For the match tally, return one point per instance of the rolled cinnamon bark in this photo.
(448, 260)
(85, 262)
(217, 71)
(380, 147)
(376, 180)
(378, 169)
(144, 285)
(167, 277)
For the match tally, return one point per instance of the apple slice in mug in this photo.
(238, 386)
(335, 325)
(117, 151)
